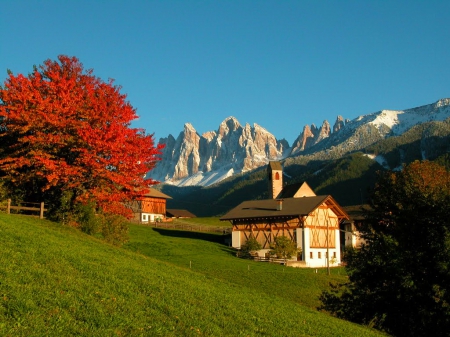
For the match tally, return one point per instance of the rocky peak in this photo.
(324, 131)
(441, 103)
(339, 124)
(189, 132)
(189, 128)
(230, 124)
(232, 146)
(304, 140)
(209, 135)
(310, 136)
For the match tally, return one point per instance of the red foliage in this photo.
(70, 130)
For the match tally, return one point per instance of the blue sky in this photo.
(280, 64)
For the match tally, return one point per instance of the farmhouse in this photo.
(150, 207)
(352, 237)
(296, 212)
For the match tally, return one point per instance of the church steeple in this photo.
(275, 177)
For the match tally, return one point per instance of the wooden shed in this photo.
(150, 207)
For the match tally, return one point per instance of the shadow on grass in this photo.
(192, 235)
(223, 240)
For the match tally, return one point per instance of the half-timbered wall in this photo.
(264, 232)
(322, 224)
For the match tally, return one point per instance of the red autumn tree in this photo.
(64, 131)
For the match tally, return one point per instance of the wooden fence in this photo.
(33, 207)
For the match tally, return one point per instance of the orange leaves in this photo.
(67, 129)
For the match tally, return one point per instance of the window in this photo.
(334, 254)
(277, 176)
(311, 255)
(320, 255)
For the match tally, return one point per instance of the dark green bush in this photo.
(87, 219)
(283, 248)
(248, 247)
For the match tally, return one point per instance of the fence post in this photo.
(41, 213)
(8, 207)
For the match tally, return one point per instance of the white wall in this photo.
(236, 239)
(315, 261)
(150, 217)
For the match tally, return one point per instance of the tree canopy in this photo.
(66, 132)
(399, 281)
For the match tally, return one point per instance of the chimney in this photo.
(279, 204)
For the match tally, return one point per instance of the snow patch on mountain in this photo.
(379, 159)
(202, 179)
(400, 121)
(386, 117)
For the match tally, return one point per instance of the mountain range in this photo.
(203, 160)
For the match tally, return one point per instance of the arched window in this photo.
(277, 176)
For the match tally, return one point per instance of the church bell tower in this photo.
(275, 176)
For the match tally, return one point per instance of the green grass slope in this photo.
(204, 253)
(56, 281)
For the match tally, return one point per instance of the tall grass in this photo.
(56, 281)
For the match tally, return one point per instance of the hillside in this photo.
(56, 281)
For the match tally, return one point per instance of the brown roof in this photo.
(357, 212)
(291, 207)
(179, 213)
(296, 190)
(275, 166)
(289, 190)
(156, 194)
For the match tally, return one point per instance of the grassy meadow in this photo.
(57, 281)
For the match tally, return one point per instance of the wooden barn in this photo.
(296, 212)
(150, 207)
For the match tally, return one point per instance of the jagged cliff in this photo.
(232, 147)
(192, 159)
